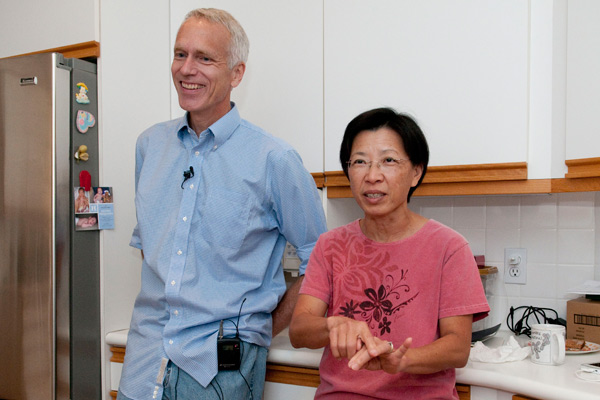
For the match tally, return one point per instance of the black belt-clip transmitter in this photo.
(229, 349)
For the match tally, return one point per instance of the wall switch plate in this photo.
(515, 266)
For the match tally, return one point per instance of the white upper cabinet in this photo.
(282, 89)
(583, 79)
(28, 26)
(459, 67)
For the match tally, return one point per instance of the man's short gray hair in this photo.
(239, 45)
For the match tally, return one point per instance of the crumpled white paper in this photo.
(511, 351)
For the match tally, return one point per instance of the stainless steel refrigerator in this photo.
(49, 273)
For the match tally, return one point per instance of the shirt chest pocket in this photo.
(224, 218)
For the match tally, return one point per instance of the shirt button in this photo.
(172, 283)
(170, 341)
(214, 148)
(179, 252)
(184, 219)
(192, 186)
(176, 312)
(197, 153)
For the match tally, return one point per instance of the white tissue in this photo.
(511, 351)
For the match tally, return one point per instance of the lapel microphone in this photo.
(187, 174)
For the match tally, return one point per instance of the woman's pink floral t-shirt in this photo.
(400, 289)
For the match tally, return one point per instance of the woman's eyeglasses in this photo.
(386, 164)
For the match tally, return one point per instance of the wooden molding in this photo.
(591, 184)
(531, 186)
(583, 168)
(476, 173)
(464, 391)
(118, 354)
(292, 375)
(79, 50)
(319, 178)
(454, 173)
(335, 179)
(487, 179)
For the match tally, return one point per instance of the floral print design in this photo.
(380, 304)
(358, 264)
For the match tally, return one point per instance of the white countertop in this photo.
(522, 377)
(526, 378)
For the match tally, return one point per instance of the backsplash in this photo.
(561, 233)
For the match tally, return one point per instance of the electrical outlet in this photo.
(515, 266)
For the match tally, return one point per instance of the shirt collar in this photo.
(221, 130)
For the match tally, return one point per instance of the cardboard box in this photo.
(583, 319)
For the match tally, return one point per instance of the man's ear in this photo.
(237, 73)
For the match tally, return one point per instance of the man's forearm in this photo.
(282, 315)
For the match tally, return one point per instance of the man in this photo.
(216, 198)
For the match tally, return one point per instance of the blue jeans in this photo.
(245, 384)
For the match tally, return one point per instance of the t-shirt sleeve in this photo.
(461, 290)
(318, 277)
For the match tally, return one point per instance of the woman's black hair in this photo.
(412, 137)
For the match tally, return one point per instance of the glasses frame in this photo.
(368, 164)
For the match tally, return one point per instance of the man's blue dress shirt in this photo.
(213, 243)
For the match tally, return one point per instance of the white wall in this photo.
(134, 81)
(282, 88)
(27, 26)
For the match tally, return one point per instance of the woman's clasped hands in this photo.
(353, 340)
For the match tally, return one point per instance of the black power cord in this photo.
(522, 327)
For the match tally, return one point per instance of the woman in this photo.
(392, 292)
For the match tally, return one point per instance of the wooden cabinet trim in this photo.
(476, 173)
(118, 354)
(487, 179)
(454, 173)
(292, 375)
(464, 391)
(583, 168)
(319, 178)
(79, 50)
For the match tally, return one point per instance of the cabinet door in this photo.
(279, 391)
(459, 67)
(28, 26)
(583, 80)
(282, 89)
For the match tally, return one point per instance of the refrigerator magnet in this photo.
(85, 120)
(81, 96)
(81, 153)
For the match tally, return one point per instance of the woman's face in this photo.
(380, 172)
